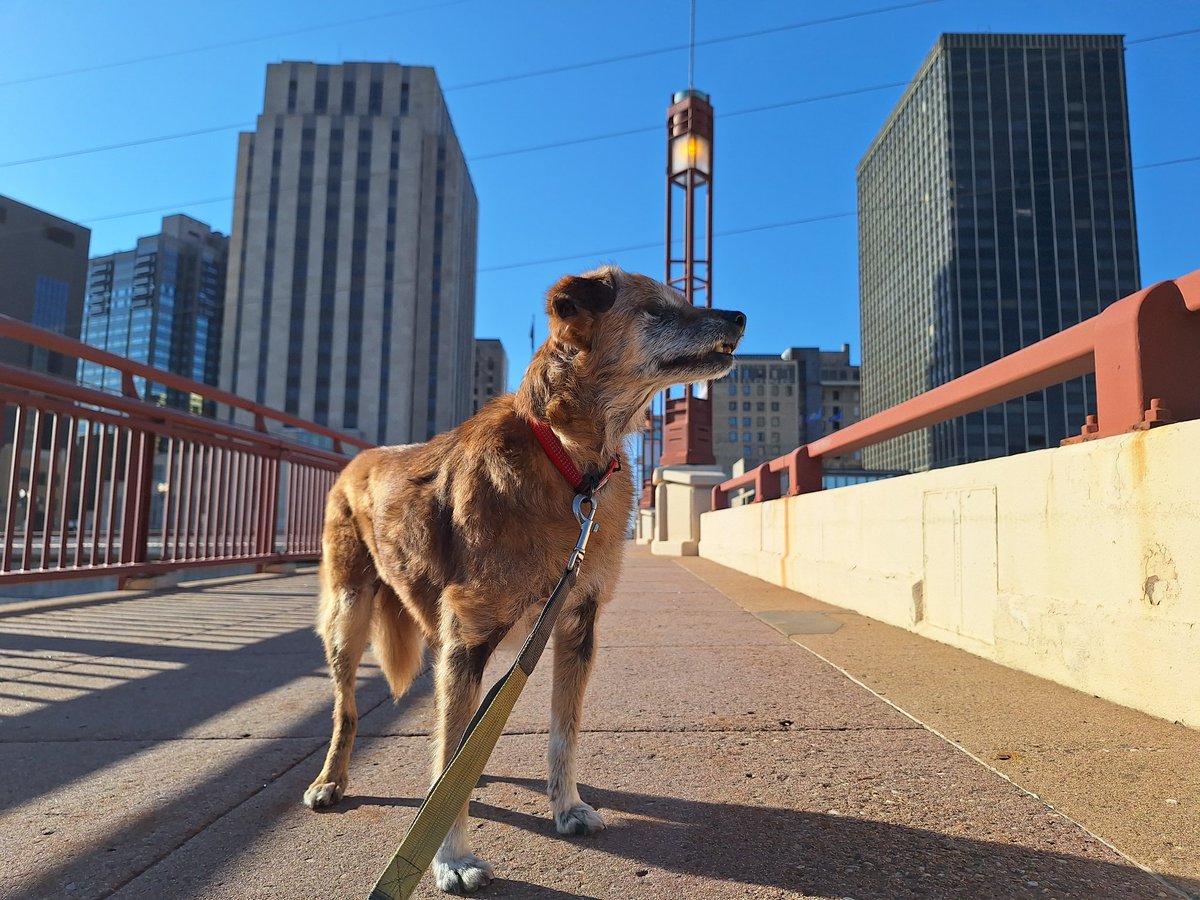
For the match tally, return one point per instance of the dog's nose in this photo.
(737, 318)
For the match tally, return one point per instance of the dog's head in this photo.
(625, 337)
(633, 327)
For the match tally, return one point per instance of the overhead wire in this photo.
(569, 141)
(155, 57)
(608, 252)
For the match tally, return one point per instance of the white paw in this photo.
(322, 794)
(579, 819)
(462, 875)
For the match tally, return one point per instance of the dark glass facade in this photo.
(160, 304)
(995, 209)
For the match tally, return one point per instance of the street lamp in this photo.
(687, 420)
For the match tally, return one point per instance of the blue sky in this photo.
(201, 68)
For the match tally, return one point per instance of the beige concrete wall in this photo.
(1079, 564)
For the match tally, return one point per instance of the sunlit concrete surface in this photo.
(158, 745)
(1076, 564)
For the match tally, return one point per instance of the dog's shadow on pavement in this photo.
(825, 854)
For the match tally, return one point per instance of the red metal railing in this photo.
(101, 484)
(1144, 349)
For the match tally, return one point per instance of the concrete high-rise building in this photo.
(43, 269)
(491, 372)
(758, 410)
(352, 259)
(768, 405)
(995, 209)
(159, 304)
(841, 401)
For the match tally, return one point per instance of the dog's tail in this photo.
(396, 640)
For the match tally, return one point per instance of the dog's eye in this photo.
(659, 313)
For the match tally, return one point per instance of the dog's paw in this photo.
(579, 819)
(462, 875)
(322, 793)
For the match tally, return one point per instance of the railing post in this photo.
(135, 521)
(766, 484)
(268, 507)
(1147, 359)
(804, 472)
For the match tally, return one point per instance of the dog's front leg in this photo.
(574, 650)
(459, 674)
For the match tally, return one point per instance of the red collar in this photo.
(583, 484)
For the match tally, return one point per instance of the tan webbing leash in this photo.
(454, 786)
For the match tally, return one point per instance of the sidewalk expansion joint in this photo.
(1166, 884)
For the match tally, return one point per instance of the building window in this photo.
(775, 406)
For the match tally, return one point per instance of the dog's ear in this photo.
(574, 303)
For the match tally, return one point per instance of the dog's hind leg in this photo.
(574, 650)
(459, 674)
(347, 592)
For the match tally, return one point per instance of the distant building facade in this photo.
(43, 269)
(491, 372)
(160, 304)
(352, 259)
(995, 209)
(768, 405)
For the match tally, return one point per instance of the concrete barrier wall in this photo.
(1079, 564)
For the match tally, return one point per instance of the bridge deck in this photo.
(158, 745)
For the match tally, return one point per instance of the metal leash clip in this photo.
(587, 524)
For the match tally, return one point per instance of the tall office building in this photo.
(995, 209)
(491, 372)
(43, 268)
(352, 260)
(159, 304)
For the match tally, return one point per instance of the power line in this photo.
(154, 57)
(1162, 37)
(574, 141)
(124, 144)
(808, 220)
(473, 159)
(675, 48)
(791, 223)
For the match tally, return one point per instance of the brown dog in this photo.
(455, 540)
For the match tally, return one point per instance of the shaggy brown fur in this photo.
(453, 541)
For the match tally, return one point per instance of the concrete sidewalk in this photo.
(158, 746)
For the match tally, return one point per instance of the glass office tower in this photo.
(995, 209)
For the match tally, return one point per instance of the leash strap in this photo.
(454, 786)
